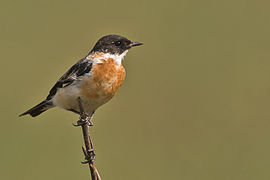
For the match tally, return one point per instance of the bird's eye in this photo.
(117, 43)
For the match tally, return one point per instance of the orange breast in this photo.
(105, 81)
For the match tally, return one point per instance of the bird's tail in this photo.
(38, 109)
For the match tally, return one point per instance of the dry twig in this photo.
(88, 150)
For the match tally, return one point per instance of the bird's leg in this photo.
(84, 118)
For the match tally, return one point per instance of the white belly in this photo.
(67, 98)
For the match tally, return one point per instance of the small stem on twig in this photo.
(88, 150)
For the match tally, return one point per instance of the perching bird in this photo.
(94, 79)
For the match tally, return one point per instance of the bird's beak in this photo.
(135, 44)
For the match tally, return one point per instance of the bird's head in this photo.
(114, 44)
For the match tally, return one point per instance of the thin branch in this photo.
(88, 150)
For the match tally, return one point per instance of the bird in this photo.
(94, 79)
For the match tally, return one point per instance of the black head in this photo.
(114, 44)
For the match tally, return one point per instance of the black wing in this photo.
(77, 70)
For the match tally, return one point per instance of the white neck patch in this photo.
(117, 57)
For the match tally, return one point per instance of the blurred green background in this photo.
(195, 104)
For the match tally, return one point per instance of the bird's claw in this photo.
(82, 122)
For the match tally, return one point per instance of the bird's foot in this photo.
(86, 120)
(89, 120)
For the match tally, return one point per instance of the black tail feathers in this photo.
(38, 109)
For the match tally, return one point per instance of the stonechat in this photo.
(94, 79)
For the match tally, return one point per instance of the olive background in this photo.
(195, 104)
